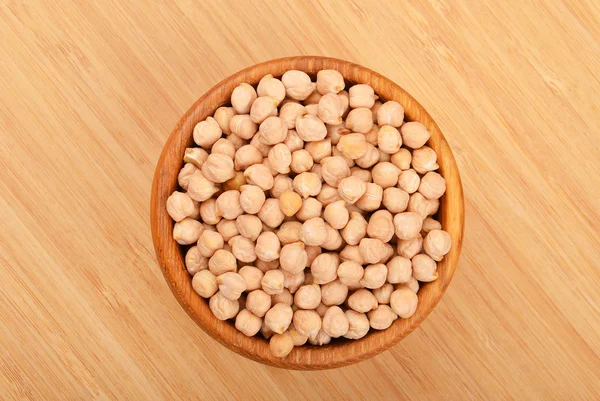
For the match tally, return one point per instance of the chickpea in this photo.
(355, 230)
(224, 146)
(314, 231)
(289, 232)
(252, 198)
(407, 225)
(263, 108)
(258, 302)
(371, 200)
(335, 322)
(248, 323)
(223, 116)
(324, 268)
(221, 262)
(243, 249)
(252, 276)
(433, 205)
(266, 266)
(404, 302)
(402, 159)
(307, 322)
(281, 184)
(281, 345)
(249, 226)
(290, 112)
(242, 98)
(242, 126)
(329, 81)
(362, 95)
(293, 258)
(290, 202)
(258, 144)
(209, 242)
(218, 168)
(359, 120)
(382, 317)
(424, 160)
(302, 161)
(375, 109)
(297, 338)
(285, 297)
(312, 109)
(267, 246)
(207, 132)
(385, 174)
(432, 185)
(437, 244)
(364, 175)
(352, 145)
(231, 285)
(293, 141)
(194, 261)
(328, 195)
(205, 283)
(424, 268)
(330, 109)
(297, 84)
(273, 87)
(180, 206)
(228, 205)
(208, 211)
(345, 102)
(235, 183)
(321, 309)
(336, 152)
(395, 200)
(199, 188)
(246, 156)
(369, 158)
(293, 281)
(319, 150)
(383, 293)
(272, 282)
(187, 231)
(334, 169)
(335, 132)
(195, 156)
(334, 240)
(310, 208)
(321, 338)
(271, 213)
(334, 293)
(312, 252)
(409, 181)
(222, 307)
(358, 325)
(307, 184)
(308, 296)
(336, 214)
(375, 275)
(399, 270)
(381, 226)
(259, 175)
(310, 128)
(372, 136)
(313, 98)
(273, 130)
(280, 158)
(351, 189)
(350, 272)
(430, 224)
(279, 317)
(265, 331)
(390, 113)
(418, 204)
(414, 134)
(362, 301)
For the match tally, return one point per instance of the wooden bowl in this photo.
(171, 259)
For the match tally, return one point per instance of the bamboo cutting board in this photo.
(89, 92)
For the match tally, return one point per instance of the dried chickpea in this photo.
(352, 145)
(404, 302)
(399, 270)
(297, 84)
(402, 159)
(362, 95)
(371, 200)
(414, 134)
(373, 135)
(272, 282)
(280, 158)
(289, 232)
(362, 301)
(385, 174)
(263, 108)
(310, 208)
(437, 244)
(242, 248)
(395, 199)
(336, 152)
(246, 156)
(285, 297)
(259, 175)
(289, 112)
(312, 109)
(424, 160)
(390, 113)
(308, 296)
(218, 168)
(418, 204)
(242, 126)
(302, 161)
(248, 323)
(242, 97)
(265, 331)
(307, 184)
(381, 225)
(293, 257)
(351, 189)
(335, 323)
(313, 98)
(252, 198)
(375, 276)
(205, 284)
(180, 206)
(335, 132)
(364, 175)
(290, 202)
(336, 214)
(312, 252)
(375, 109)
(424, 268)
(236, 141)
(307, 322)
(314, 232)
(321, 309)
(345, 102)
(351, 253)
(258, 302)
(231, 285)
(330, 109)
(200, 188)
(383, 293)
(334, 240)
(334, 293)
(292, 281)
(329, 81)
(310, 128)
(324, 268)
(266, 266)
(409, 181)
(328, 195)
(389, 139)
(228, 205)
(267, 246)
(207, 132)
(222, 307)
(209, 242)
(407, 225)
(252, 276)
(358, 325)
(187, 231)
(355, 229)
(194, 261)
(235, 183)
(249, 226)
(359, 120)
(223, 116)
(297, 338)
(334, 169)
(430, 224)
(279, 317)
(293, 141)
(195, 156)
(224, 146)
(281, 184)
(432, 185)
(269, 86)
(382, 317)
(369, 158)
(222, 262)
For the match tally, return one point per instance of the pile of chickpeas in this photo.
(309, 210)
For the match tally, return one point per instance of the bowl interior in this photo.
(171, 257)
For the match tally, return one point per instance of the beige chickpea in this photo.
(313, 231)
(307, 322)
(310, 128)
(414, 134)
(246, 156)
(334, 169)
(312, 109)
(335, 323)
(432, 185)
(362, 301)
(382, 317)
(424, 160)
(313, 98)
(402, 159)
(297, 84)
(267, 246)
(336, 214)
(297, 338)
(336, 152)
(409, 181)
(289, 232)
(308, 296)
(324, 268)
(383, 293)
(263, 108)
(208, 211)
(285, 297)
(242, 97)
(249, 226)
(280, 158)
(395, 200)
(194, 261)
(242, 248)
(307, 184)
(270, 86)
(209, 242)
(293, 257)
(355, 229)
(302, 161)
(224, 146)
(310, 208)
(404, 302)
(389, 253)
(362, 95)
(200, 188)
(372, 136)
(375, 276)
(187, 231)
(319, 150)
(312, 252)
(433, 205)
(430, 224)
(252, 198)
(195, 156)
(248, 323)
(410, 247)
(375, 109)
(418, 204)
(222, 307)
(369, 158)
(281, 184)
(385, 174)
(273, 130)
(407, 225)
(364, 175)
(330, 109)
(293, 141)
(271, 213)
(223, 116)
(371, 200)
(334, 240)
(335, 132)
(258, 302)
(259, 175)
(290, 202)
(279, 317)
(328, 195)
(228, 205)
(358, 325)
(352, 145)
(350, 272)
(424, 268)
(381, 226)
(205, 283)
(252, 276)
(242, 126)
(231, 285)
(236, 141)
(359, 120)
(281, 345)
(437, 244)
(180, 206)
(235, 183)
(207, 132)
(351, 253)
(399, 270)
(218, 168)
(222, 261)
(265, 331)
(272, 282)
(292, 281)
(334, 293)
(389, 139)
(351, 189)
(290, 112)
(372, 250)
(329, 81)
(390, 113)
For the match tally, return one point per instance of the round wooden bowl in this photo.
(171, 259)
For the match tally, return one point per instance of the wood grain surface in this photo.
(89, 92)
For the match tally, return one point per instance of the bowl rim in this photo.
(171, 258)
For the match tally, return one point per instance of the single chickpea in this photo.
(267, 246)
(335, 322)
(334, 293)
(249, 226)
(207, 132)
(350, 272)
(280, 158)
(385, 174)
(373, 135)
(242, 126)
(297, 338)
(310, 128)
(418, 204)
(218, 168)
(369, 158)
(389, 139)
(335, 132)
(297, 84)
(180, 206)
(321, 338)
(223, 116)
(382, 317)
(258, 302)
(231, 285)
(195, 156)
(328, 195)
(221, 262)
(408, 225)
(272, 282)
(329, 81)
(290, 202)
(352, 145)
(243, 249)
(362, 95)
(307, 184)
(362, 301)
(271, 213)
(351, 189)
(409, 181)
(208, 211)
(199, 188)
(252, 198)
(236, 141)
(314, 232)
(290, 112)
(414, 134)
(334, 169)
(371, 200)
(224, 146)
(273, 87)
(383, 293)
(273, 130)
(402, 159)
(263, 108)
(390, 113)
(293, 141)
(246, 156)
(289, 232)
(336, 152)
(319, 150)
(187, 231)
(424, 160)
(281, 345)
(389, 253)
(235, 183)
(252, 276)
(293, 281)
(312, 109)
(222, 307)
(399, 270)
(285, 297)
(302, 161)
(364, 175)
(430, 224)
(381, 226)
(336, 214)
(424, 268)
(248, 323)
(334, 240)
(308, 296)
(259, 175)
(375, 276)
(312, 252)
(404, 302)
(330, 109)
(375, 109)
(281, 184)
(437, 244)
(242, 98)
(355, 230)
(194, 261)
(209, 242)
(279, 317)
(395, 200)
(205, 283)
(358, 325)
(432, 185)
(324, 268)
(293, 258)
(433, 205)
(307, 322)
(359, 120)
(228, 205)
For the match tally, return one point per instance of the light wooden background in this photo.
(89, 91)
